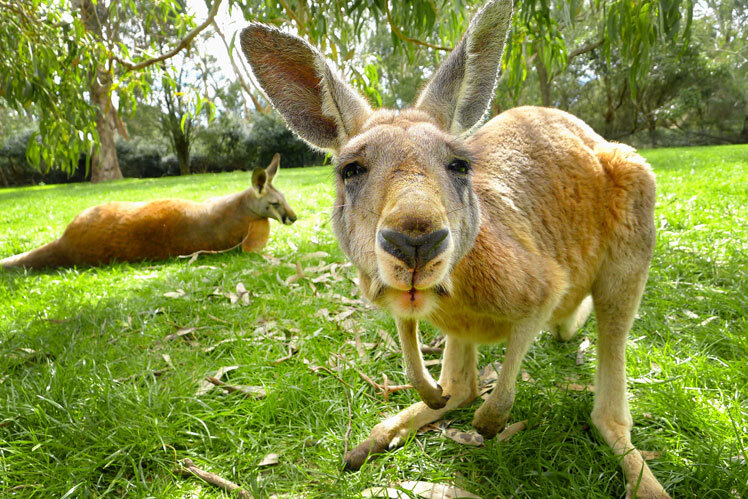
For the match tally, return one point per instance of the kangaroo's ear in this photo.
(259, 179)
(313, 99)
(272, 168)
(461, 89)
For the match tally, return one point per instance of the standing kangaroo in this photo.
(490, 236)
(129, 232)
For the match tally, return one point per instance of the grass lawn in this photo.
(97, 400)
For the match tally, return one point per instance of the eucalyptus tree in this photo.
(66, 60)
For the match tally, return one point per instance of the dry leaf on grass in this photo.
(387, 340)
(650, 454)
(181, 332)
(175, 294)
(255, 392)
(489, 374)
(315, 255)
(270, 460)
(425, 490)
(242, 293)
(527, 378)
(206, 386)
(511, 430)
(576, 387)
(464, 437)
(581, 351)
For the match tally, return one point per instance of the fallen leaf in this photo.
(213, 347)
(387, 340)
(526, 377)
(425, 490)
(511, 430)
(690, 314)
(295, 277)
(256, 392)
(167, 359)
(323, 313)
(206, 386)
(648, 455)
(708, 320)
(344, 315)
(175, 294)
(316, 254)
(464, 437)
(576, 387)
(270, 460)
(432, 362)
(582, 349)
(242, 293)
(489, 374)
(179, 333)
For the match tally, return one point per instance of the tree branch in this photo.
(583, 50)
(238, 73)
(184, 43)
(401, 36)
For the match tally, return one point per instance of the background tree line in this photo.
(102, 89)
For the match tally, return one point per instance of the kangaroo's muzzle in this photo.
(414, 252)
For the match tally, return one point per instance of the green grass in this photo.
(82, 410)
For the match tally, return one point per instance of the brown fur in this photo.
(547, 214)
(129, 232)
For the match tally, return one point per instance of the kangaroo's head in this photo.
(405, 212)
(270, 203)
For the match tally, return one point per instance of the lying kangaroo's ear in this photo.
(272, 168)
(461, 89)
(259, 179)
(315, 102)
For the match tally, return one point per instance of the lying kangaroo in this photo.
(156, 230)
(489, 236)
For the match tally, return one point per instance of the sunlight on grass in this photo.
(93, 395)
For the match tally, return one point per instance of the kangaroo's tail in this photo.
(49, 255)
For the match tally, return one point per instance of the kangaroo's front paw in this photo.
(433, 396)
(649, 490)
(488, 421)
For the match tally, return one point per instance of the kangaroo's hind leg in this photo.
(616, 297)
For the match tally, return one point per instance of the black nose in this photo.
(414, 251)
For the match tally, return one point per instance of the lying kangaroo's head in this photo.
(270, 203)
(406, 212)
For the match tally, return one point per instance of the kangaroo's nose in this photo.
(289, 218)
(414, 251)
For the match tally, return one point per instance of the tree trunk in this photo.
(743, 138)
(183, 155)
(104, 163)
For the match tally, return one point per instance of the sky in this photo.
(229, 24)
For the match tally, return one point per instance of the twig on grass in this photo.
(193, 256)
(213, 479)
(386, 389)
(315, 369)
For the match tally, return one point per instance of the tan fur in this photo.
(548, 215)
(128, 232)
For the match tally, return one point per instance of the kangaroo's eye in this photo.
(351, 170)
(459, 166)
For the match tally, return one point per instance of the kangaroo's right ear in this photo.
(315, 102)
(459, 92)
(272, 168)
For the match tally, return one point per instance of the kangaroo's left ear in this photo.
(259, 179)
(461, 89)
(272, 168)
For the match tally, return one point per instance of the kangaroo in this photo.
(156, 230)
(525, 223)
